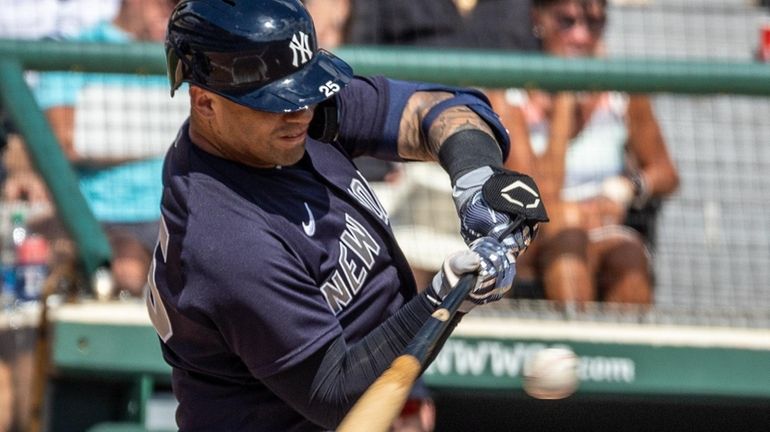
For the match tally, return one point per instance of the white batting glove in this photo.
(492, 260)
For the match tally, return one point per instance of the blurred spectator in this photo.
(75, 15)
(331, 19)
(28, 19)
(123, 190)
(22, 183)
(597, 157)
(6, 396)
(38, 19)
(405, 22)
(483, 24)
(497, 24)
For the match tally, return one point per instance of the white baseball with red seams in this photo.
(551, 373)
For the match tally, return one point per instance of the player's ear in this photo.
(201, 102)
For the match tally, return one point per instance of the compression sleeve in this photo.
(325, 386)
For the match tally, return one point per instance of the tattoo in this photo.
(414, 145)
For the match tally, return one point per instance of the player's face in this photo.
(258, 138)
(571, 28)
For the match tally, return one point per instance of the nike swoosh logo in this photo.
(309, 226)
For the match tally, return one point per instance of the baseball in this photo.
(551, 373)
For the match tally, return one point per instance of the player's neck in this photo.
(200, 139)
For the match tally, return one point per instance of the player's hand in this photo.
(491, 259)
(477, 220)
(498, 203)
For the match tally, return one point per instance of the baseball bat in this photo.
(382, 402)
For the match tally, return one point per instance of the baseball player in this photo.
(277, 288)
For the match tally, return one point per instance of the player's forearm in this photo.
(414, 143)
(340, 373)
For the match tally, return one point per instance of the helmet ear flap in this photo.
(179, 74)
(324, 126)
(177, 63)
(173, 69)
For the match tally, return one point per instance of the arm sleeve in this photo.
(325, 386)
(370, 112)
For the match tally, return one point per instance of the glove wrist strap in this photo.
(515, 194)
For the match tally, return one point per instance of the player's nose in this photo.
(301, 116)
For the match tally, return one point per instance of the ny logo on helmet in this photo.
(518, 184)
(300, 48)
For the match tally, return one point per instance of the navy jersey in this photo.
(256, 269)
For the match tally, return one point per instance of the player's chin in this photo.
(290, 152)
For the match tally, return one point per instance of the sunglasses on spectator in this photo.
(595, 25)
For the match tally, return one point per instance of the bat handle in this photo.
(383, 400)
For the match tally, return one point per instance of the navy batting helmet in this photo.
(259, 53)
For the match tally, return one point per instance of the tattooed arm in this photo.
(466, 147)
(413, 145)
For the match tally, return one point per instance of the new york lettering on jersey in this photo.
(359, 234)
(338, 290)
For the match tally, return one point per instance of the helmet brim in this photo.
(322, 77)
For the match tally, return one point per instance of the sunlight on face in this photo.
(258, 138)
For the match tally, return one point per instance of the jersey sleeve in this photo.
(254, 287)
(370, 112)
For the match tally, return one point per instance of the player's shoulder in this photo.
(361, 87)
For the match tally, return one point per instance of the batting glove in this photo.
(500, 204)
(492, 260)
